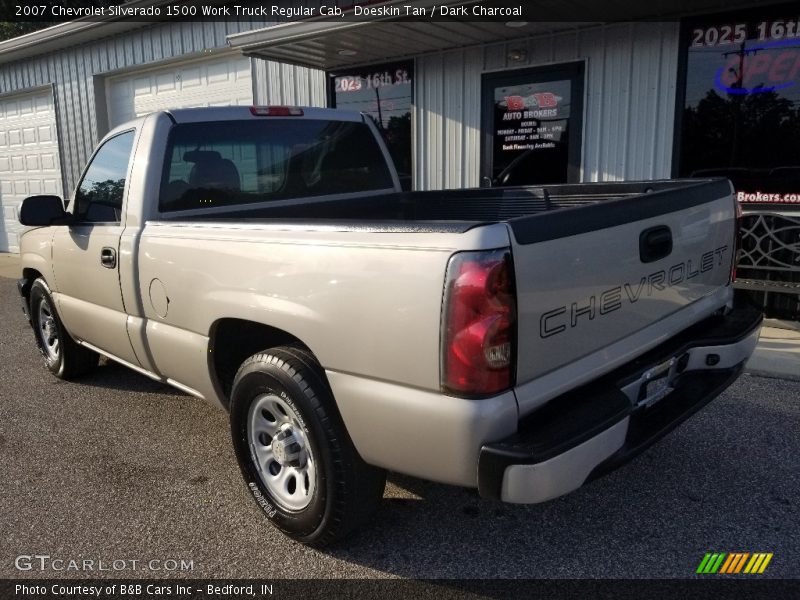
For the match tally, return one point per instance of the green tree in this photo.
(756, 130)
(12, 29)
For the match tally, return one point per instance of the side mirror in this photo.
(43, 211)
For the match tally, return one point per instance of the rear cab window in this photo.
(242, 162)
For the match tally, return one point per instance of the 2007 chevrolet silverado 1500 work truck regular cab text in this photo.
(519, 340)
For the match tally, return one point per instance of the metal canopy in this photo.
(326, 44)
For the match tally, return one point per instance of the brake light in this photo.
(276, 111)
(479, 324)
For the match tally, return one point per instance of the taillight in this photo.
(479, 324)
(276, 111)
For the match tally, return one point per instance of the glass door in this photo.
(532, 120)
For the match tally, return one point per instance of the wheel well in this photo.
(31, 275)
(232, 341)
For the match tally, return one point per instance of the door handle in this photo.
(655, 243)
(108, 257)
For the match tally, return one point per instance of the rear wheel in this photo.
(294, 452)
(64, 357)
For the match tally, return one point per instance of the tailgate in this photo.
(601, 283)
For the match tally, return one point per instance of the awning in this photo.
(333, 44)
(326, 45)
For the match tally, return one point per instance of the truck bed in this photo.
(534, 212)
(603, 271)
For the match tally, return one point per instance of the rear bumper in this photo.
(595, 429)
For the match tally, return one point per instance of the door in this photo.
(207, 82)
(29, 163)
(85, 255)
(532, 123)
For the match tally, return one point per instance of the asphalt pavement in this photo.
(118, 467)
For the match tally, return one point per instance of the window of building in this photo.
(741, 108)
(532, 124)
(100, 192)
(739, 117)
(385, 92)
(240, 162)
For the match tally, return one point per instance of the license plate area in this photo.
(657, 383)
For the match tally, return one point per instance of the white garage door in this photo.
(206, 82)
(29, 162)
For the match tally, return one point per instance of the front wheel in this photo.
(294, 451)
(64, 357)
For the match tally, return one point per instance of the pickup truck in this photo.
(522, 341)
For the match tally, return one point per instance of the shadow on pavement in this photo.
(692, 491)
(112, 375)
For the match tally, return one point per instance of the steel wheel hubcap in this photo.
(280, 450)
(48, 331)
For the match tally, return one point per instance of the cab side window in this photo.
(99, 195)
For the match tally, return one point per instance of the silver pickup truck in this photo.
(521, 341)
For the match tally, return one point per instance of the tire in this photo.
(64, 357)
(294, 451)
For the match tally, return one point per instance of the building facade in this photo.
(461, 104)
(57, 104)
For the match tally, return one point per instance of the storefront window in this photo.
(385, 92)
(740, 119)
(741, 115)
(532, 125)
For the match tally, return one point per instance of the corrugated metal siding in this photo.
(276, 83)
(73, 70)
(631, 71)
(630, 91)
